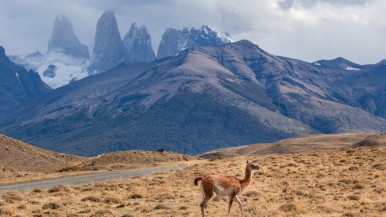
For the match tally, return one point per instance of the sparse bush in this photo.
(135, 196)
(21, 207)
(215, 157)
(292, 165)
(111, 200)
(161, 206)
(350, 215)
(59, 188)
(51, 206)
(183, 208)
(11, 197)
(345, 181)
(252, 194)
(102, 213)
(37, 191)
(165, 196)
(357, 187)
(91, 199)
(353, 197)
(366, 143)
(378, 166)
(289, 207)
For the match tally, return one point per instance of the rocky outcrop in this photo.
(64, 40)
(137, 42)
(108, 48)
(173, 40)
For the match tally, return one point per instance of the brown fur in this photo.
(197, 179)
(225, 185)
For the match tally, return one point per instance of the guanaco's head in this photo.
(252, 166)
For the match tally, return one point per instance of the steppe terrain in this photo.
(21, 162)
(347, 181)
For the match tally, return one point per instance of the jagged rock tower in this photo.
(137, 42)
(64, 40)
(173, 40)
(108, 48)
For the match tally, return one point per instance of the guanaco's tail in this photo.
(197, 179)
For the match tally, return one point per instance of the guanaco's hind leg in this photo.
(207, 193)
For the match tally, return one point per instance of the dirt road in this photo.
(86, 178)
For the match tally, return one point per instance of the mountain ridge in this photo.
(203, 98)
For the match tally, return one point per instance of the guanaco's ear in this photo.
(247, 161)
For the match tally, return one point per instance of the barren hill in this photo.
(20, 161)
(304, 144)
(19, 156)
(129, 160)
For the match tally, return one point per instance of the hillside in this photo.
(123, 160)
(18, 159)
(303, 144)
(204, 98)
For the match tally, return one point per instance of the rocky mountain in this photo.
(108, 47)
(137, 42)
(339, 64)
(17, 85)
(64, 40)
(174, 41)
(203, 98)
(65, 60)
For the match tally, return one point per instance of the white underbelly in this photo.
(222, 191)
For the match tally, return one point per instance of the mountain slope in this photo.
(202, 99)
(17, 85)
(303, 144)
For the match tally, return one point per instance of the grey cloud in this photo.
(287, 4)
(27, 25)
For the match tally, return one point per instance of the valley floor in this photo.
(347, 182)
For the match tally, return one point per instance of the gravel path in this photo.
(86, 178)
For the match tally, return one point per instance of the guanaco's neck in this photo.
(247, 178)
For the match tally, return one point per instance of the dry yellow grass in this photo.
(311, 143)
(123, 160)
(347, 182)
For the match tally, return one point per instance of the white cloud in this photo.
(303, 29)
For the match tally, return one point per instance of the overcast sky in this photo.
(303, 29)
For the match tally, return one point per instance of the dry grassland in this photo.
(349, 182)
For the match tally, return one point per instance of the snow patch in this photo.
(65, 74)
(349, 68)
(317, 64)
(66, 68)
(225, 37)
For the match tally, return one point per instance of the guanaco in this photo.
(225, 186)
